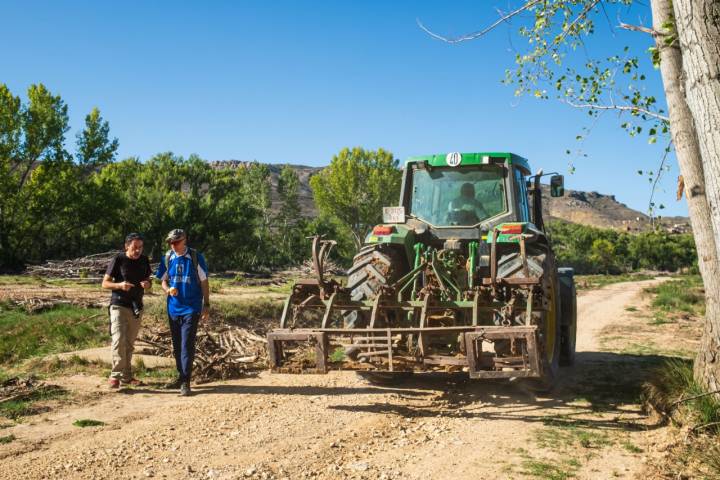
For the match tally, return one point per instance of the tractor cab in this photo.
(471, 190)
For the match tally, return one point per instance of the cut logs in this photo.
(83, 267)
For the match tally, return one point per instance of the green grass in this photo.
(86, 422)
(28, 405)
(568, 433)
(548, 469)
(6, 439)
(54, 365)
(284, 288)
(682, 295)
(61, 329)
(42, 281)
(631, 447)
(159, 374)
(674, 380)
(248, 312)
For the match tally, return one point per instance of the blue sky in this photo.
(294, 82)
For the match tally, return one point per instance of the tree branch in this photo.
(480, 33)
(704, 426)
(683, 400)
(655, 182)
(621, 108)
(582, 15)
(640, 28)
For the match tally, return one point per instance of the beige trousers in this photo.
(124, 329)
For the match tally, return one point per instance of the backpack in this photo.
(193, 257)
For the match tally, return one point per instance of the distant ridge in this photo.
(586, 208)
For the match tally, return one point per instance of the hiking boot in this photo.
(113, 383)
(133, 382)
(185, 389)
(174, 385)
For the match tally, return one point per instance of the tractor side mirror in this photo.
(557, 186)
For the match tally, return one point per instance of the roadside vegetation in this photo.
(675, 395)
(643, 363)
(591, 250)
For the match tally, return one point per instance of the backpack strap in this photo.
(194, 258)
(167, 263)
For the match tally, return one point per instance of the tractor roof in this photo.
(478, 158)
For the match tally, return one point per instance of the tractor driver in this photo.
(466, 209)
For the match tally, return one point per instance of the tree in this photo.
(94, 147)
(355, 187)
(691, 81)
(288, 189)
(49, 205)
(602, 253)
(290, 225)
(169, 192)
(698, 29)
(31, 136)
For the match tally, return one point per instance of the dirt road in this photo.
(338, 426)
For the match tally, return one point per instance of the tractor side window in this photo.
(522, 195)
(458, 196)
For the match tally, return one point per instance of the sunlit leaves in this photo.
(559, 27)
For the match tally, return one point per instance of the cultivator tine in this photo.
(328, 308)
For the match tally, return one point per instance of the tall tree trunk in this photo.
(698, 29)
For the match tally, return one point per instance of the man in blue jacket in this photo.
(184, 275)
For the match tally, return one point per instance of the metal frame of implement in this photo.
(319, 294)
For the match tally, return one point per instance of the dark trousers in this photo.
(184, 330)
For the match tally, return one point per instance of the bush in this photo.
(596, 250)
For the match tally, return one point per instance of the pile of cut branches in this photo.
(221, 352)
(83, 267)
(35, 305)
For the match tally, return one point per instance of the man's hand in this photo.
(125, 286)
(205, 314)
(172, 291)
(146, 284)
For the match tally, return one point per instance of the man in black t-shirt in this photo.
(128, 275)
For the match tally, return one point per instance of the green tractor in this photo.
(461, 277)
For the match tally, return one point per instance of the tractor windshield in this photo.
(458, 196)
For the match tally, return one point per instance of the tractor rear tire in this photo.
(568, 324)
(550, 329)
(373, 267)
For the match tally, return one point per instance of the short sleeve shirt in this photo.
(179, 274)
(124, 269)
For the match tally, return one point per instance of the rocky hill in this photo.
(586, 208)
(604, 211)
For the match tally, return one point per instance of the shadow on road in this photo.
(302, 390)
(599, 382)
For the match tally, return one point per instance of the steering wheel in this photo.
(462, 217)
